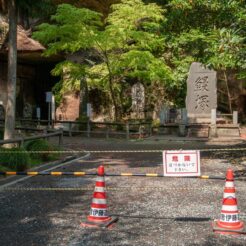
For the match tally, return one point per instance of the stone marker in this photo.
(201, 93)
(138, 100)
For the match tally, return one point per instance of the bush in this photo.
(1, 134)
(15, 160)
(41, 145)
(83, 119)
(156, 123)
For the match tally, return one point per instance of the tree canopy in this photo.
(153, 42)
(128, 44)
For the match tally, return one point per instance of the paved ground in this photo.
(151, 211)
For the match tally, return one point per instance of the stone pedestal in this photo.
(213, 131)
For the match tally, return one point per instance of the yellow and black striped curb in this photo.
(117, 151)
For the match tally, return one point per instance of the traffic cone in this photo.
(229, 222)
(98, 213)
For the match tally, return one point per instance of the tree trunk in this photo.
(12, 70)
(116, 113)
(228, 91)
(3, 4)
(110, 78)
(83, 94)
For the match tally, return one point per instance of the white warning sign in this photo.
(181, 163)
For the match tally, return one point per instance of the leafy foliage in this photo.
(150, 43)
(41, 145)
(15, 160)
(128, 46)
(211, 32)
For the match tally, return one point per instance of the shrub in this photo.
(156, 123)
(15, 160)
(83, 119)
(41, 145)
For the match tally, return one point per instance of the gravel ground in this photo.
(151, 211)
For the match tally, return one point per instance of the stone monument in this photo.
(138, 100)
(201, 93)
(27, 110)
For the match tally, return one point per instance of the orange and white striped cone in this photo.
(98, 213)
(229, 222)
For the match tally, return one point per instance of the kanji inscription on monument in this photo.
(201, 92)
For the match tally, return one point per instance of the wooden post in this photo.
(61, 138)
(21, 144)
(150, 130)
(127, 130)
(213, 116)
(88, 128)
(235, 118)
(184, 118)
(70, 129)
(107, 131)
(213, 127)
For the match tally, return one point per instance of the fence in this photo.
(89, 128)
(20, 141)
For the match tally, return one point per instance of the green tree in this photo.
(212, 32)
(13, 7)
(9, 128)
(128, 45)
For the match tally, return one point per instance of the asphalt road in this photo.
(151, 211)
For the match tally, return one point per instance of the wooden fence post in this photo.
(107, 131)
(150, 130)
(235, 118)
(70, 129)
(127, 130)
(61, 138)
(88, 128)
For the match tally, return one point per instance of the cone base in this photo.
(99, 224)
(229, 230)
(95, 219)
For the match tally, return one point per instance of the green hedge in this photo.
(18, 159)
(15, 160)
(41, 145)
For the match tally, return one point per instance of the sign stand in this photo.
(49, 101)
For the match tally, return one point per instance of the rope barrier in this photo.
(123, 188)
(107, 188)
(115, 151)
